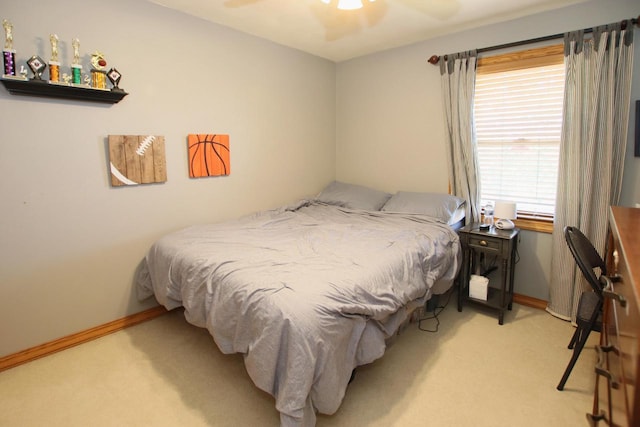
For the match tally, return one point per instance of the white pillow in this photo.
(353, 196)
(437, 205)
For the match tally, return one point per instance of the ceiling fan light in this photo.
(349, 4)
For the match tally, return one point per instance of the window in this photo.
(518, 118)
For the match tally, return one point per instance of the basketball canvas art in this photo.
(208, 155)
(137, 159)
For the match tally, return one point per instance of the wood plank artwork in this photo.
(137, 159)
(208, 155)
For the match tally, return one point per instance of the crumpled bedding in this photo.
(306, 292)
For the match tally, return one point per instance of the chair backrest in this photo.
(586, 257)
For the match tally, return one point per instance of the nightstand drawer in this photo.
(484, 243)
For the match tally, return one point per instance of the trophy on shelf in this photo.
(8, 53)
(98, 75)
(37, 65)
(76, 68)
(91, 86)
(54, 65)
(114, 77)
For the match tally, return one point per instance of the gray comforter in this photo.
(306, 293)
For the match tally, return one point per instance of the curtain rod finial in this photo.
(434, 59)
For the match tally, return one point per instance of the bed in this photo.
(308, 292)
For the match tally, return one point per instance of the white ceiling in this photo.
(322, 30)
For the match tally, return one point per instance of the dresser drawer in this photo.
(621, 323)
(623, 334)
(615, 363)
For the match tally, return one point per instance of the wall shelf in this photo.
(43, 88)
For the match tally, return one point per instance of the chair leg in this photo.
(579, 339)
(574, 338)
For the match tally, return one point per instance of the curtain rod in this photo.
(435, 58)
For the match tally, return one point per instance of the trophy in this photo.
(98, 75)
(37, 65)
(8, 54)
(76, 68)
(54, 65)
(114, 77)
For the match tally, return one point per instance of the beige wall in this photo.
(389, 118)
(69, 242)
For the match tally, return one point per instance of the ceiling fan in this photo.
(341, 18)
(347, 4)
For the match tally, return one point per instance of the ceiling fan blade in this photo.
(337, 23)
(341, 23)
(374, 11)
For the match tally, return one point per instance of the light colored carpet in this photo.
(165, 372)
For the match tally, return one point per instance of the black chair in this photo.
(589, 315)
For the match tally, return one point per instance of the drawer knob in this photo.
(608, 292)
(612, 295)
(483, 242)
(600, 370)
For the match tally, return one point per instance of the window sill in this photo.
(539, 225)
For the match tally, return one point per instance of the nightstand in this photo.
(481, 248)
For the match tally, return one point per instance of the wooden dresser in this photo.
(617, 393)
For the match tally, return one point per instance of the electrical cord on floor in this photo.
(436, 312)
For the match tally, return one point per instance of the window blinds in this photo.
(518, 117)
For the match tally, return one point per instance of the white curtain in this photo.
(458, 73)
(594, 137)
